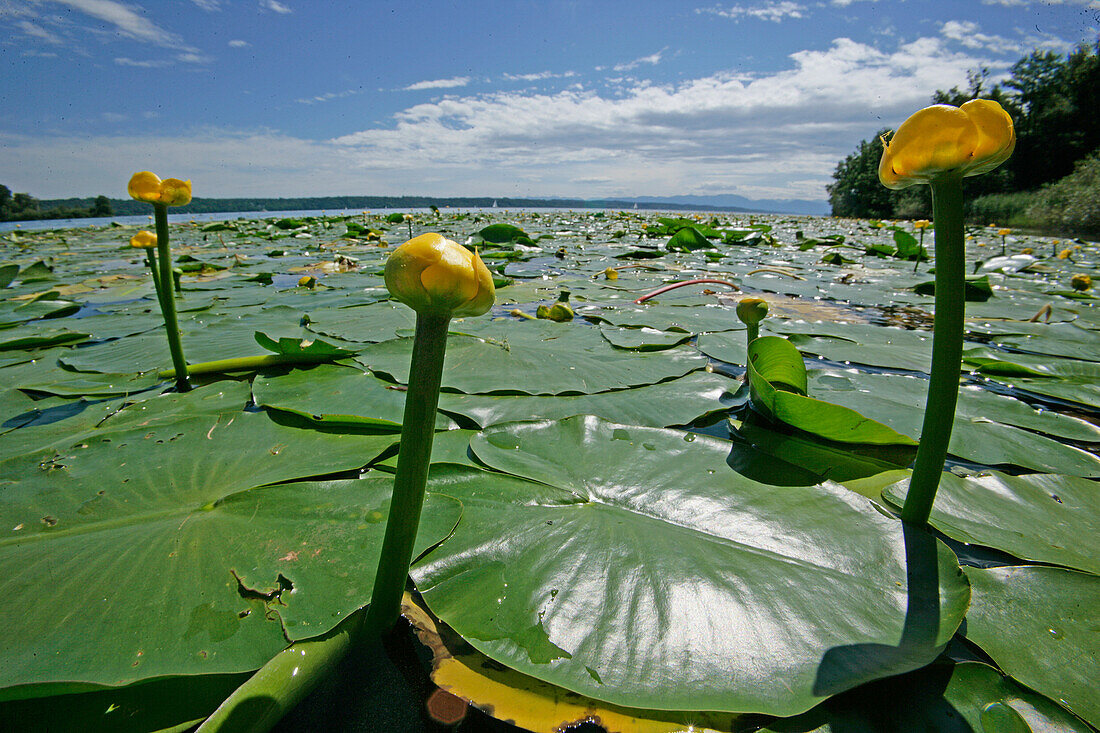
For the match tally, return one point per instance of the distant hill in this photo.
(728, 202)
(731, 201)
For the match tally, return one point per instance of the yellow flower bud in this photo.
(921, 224)
(752, 310)
(143, 240)
(1004, 232)
(968, 140)
(611, 273)
(432, 274)
(1081, 282)
(148, 187)
(1065, 254)
(307, 281)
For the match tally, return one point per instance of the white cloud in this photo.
(968, 34)
(327, 96)
(653, 59)
(209, 5)
(774, 11)
(237, 43)
(275, 6)
(126, 21)
(775, 135)
(539, 76)
(456, 81)
(147, 64)
(37, 31)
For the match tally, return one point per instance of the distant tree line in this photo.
(27, 207)
(1054, 101)
(24, 207)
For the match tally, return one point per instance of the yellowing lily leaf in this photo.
(529, 703)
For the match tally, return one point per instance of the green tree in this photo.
(856, 190)
(101, 207)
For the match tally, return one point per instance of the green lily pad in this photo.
(777, 377)
(332, 394)
(167, 522)
(958, 698)
(1037, 517)
(643, 572)
(676, 402)
(536, 357)
(977, 435)
(1039, 625)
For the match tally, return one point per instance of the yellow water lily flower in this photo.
(148, 187)
(921, 224)
(143, 240)
(432, 274)
(968, 140)
(1081, 282)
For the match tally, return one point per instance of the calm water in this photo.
(7, 226)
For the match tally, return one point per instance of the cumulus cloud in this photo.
(455, 81)
(772, 11)
(773, 135)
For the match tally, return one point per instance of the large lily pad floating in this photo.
(335, 394)
(777, 378)
(1038, 517)
(642, 572)
(165, 523)
(676, 402)
(958, 698)
(1039, 625)
(537, 357)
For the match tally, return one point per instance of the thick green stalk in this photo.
(267, 696)
(167, 302)
(417, 432)
(947, 340)
(753, 331)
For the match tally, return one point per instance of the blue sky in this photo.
(587, 98)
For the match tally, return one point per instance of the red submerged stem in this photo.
(673, 286)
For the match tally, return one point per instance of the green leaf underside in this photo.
(681, 584)
(777, 377)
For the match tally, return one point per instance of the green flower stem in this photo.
(248, 363)
(947, 341)
(151, 261)
(417, 432)
(753, 331)
(920, 250)
(167, 302)
(267, 696)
